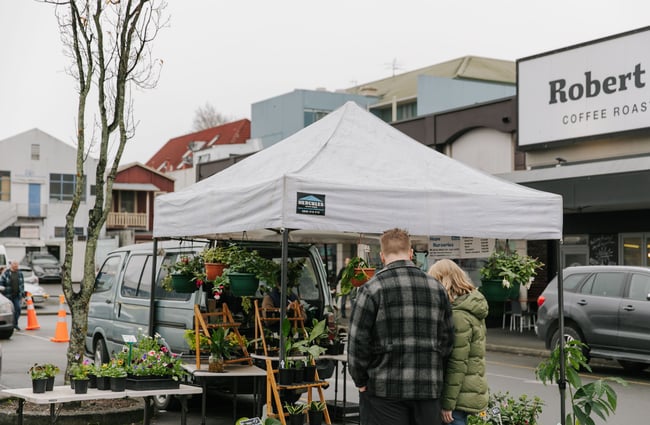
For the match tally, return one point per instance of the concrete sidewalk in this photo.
(515, 342)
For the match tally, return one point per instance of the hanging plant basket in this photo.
(183, 283)
(361, 276)
(243, 284)
(214, 270)
(493, 290)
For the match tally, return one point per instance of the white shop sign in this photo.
(459, 247)
(587, 90)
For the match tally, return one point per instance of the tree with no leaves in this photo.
(109, 44)
(207, 117)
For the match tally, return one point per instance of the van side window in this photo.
(137, 277)
(106, 277)
(162, 293)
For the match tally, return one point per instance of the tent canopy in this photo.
(349, 174)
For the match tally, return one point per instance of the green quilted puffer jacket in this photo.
(466, 387)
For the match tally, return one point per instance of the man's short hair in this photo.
(395, 241)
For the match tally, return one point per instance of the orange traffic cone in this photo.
(61, 332)
(32, 321)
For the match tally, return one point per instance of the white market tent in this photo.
(365, 177)
(351, 174)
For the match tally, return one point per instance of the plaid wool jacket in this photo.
(401, 334)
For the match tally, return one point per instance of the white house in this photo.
(37, 180)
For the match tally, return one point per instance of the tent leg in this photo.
(561, 383)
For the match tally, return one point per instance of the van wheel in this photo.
(166, 402)
(101, 352)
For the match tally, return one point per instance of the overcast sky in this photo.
(238, 52)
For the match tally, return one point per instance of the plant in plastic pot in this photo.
(356, 273)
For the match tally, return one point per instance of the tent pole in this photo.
(561, 383)
(152, 295)
(283, 287)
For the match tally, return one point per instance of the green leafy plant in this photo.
(309, 346)
(80, 370)
(217, 254)
(295, 409)
(220, 345)
(190, 338)
(114, 369)
(37, 372)
(50, 369)
(510, 268)
(191, 266)
(504, 409)
(354, 270)
(316, 406)
(595, 397)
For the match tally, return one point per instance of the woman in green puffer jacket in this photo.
(465, 389)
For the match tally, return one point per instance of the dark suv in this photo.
(606, 307)
(45, 266)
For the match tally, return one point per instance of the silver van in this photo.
(120, 302)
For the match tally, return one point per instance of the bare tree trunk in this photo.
(109, 43)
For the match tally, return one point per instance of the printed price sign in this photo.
(251, 421)
(129, 338)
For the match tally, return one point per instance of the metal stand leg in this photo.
(183, 400)
(19, 411)
(204, 396)
(148, 410)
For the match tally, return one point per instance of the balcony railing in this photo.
(126, 220)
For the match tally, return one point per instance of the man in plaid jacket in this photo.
(401, 334)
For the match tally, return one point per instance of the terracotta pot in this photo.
(368, 272)
(214, 270)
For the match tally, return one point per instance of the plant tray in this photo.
(144, 383)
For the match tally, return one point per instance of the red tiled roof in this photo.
(171, 154)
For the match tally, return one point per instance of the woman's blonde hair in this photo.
(452, 277)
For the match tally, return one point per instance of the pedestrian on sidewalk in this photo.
(13, 287)
(466, 388)
(400, 336)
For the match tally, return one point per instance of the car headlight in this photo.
(6, 307)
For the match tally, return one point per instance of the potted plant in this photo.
(356, 273)
(79, 377)
(186, 275)
(216, 259)
(315, 412)
(243, 272)
(296, 413)
(116, 371)
(190, 337)
(220, 349)
(51, 370)
(39, 378)
(310, 348)
(504, 272)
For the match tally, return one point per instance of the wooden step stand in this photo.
(223, 319)
(272, 386)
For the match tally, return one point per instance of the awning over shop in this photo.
(613, 185)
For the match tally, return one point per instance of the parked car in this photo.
(45, 266)
(606, 307)
(39, 295)
(6, 318)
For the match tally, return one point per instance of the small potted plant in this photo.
(310, 348)
(243, 272)
(296, 413)
(79, 377)
(220, 349)
(356, 273)
(315, 412)
(117, 373)
(39, 378)
(51, 370)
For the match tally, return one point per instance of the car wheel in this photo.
(570, 334)
(6, 334)
(101, 352)
(166, 402)
(633, 367)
